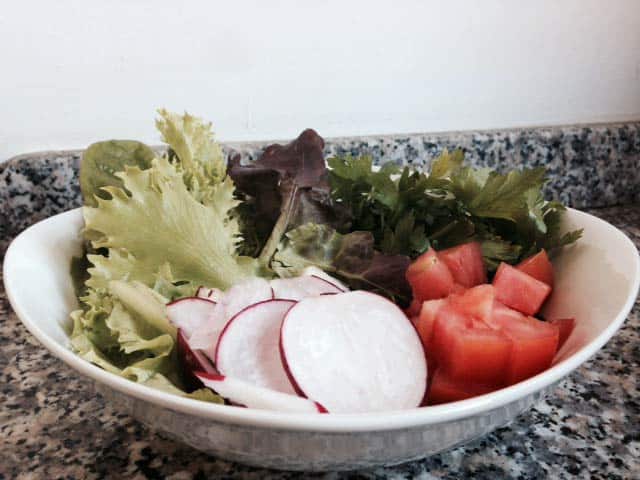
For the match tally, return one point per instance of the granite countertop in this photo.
(52, 425)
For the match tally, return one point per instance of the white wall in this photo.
(72, 72)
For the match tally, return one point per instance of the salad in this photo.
(304, 284)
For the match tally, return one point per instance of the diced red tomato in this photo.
(445, 389)
(539, 267)
(466, 352)
(465, 264)
(448, 323)
(479, 324)
(534, 342)
(476, 302)
(424, 326)
(501, 314)
(481, 338)
(427, 319)
(565, 327)
(519, 290)
(429, 277)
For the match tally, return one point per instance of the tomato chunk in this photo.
(534, 342)
(539, 267)
(476, 302)
(565, 327)
(427, 319)
(519, 290)
(465, 264)
(424, 325)
(429, 277)
(445, 389)
(468, 351)
(501, 315)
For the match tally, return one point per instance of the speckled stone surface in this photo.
(53, 426)
(589, 166)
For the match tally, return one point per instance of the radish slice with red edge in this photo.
(354, 352)
(241, 295)
(237, 298)
(248, 348)
(298, 288)
(318, 272)
(192, 361)
(190, 313)
(251, 396)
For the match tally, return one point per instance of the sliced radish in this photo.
(190, 313)
(318, 272)
(298, 288)
(206, 336)
(240, 392)
(241, 295)
(214, 294)
(248, 348)
(192, 361)
(237, 298)
(354, 352)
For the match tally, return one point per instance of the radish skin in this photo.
(251, 396)
(192, 361)
(318, 272)
(354, 352)
(235, 299)
(248, 346)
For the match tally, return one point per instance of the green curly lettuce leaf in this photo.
(156, 229)
(102, 160)
(159, 222)
(194, 143)
(196, 156)
(121, 340)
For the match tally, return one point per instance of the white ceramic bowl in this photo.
(597, 282)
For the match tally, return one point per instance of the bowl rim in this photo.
(333, 423)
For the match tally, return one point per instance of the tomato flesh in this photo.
(476, 302)
(424, 325)
(427, 319)
(430, 277)
(565, 327)
(467, 352)
(465, 264)
(519, 290)
(445, 389)
(480, 337)
(539, 267)
(534, 343)
(502, 315)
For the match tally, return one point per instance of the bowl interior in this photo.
(597, 282)
(37, 275)
(595, 279)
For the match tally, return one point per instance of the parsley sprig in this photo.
(407, 211)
